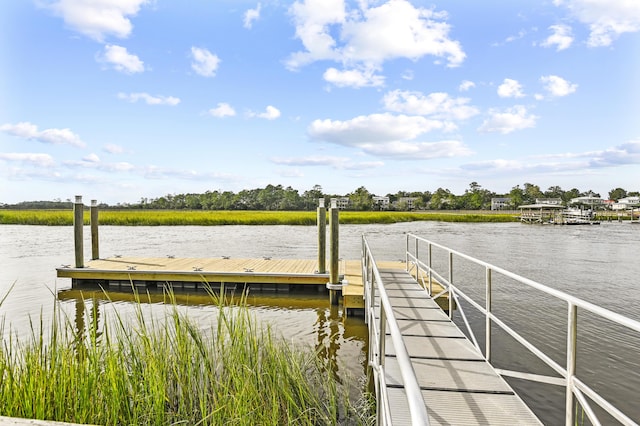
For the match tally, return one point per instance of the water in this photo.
(596, 263)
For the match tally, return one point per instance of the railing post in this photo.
(406, 254)
(487, 318)
(322, 237)
(78, 223)
(572, 336)
(450, 285)
(95, 242)
(429, 251)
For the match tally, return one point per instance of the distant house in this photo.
(549, 201)
(406, 203)
(500, 203)
(626, 203)
(342, 203)
(381, 203)
(590, 201)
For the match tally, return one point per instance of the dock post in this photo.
(78, 223)
(95, 246)
(334, 265)
(322, 237)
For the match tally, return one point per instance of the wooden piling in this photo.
(322, 237)
(95, 246)
(78, 223)
(334, 265)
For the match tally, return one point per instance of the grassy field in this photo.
(237, 217)
(169, 371)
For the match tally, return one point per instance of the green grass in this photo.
(198, 217)
(168, 371)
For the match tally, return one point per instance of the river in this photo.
(595, 263)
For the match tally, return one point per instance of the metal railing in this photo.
(374, 287)
(575, 389)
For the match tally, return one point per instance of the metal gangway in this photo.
(406, 368)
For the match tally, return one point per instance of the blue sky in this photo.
(122, 99)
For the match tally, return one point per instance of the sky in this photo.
(119, 100)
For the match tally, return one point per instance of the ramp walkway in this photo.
(457, 385)
(427, 371)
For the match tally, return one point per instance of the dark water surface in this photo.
(599, 264)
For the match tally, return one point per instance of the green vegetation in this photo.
(279, 198)
(199, 217)
(168, 371)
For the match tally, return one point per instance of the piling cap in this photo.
(320, 202)
(94, 203)
(78, 199)
(334, 203)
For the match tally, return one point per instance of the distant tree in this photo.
(572, 193)
(311, 197)
(531, 192)
(616, 194)
(442, 199)
(517, 196)
(361, 199)
(554, 192)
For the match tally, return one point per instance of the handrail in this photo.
(373, 282)
(576, 390)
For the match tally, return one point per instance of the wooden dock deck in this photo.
(193, 273)
(458, 385)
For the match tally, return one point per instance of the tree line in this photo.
(277, 197)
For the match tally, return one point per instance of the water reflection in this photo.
(337, 340)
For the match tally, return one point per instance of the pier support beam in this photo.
(334, 284)
(78, 223)
(95, 246)
(322, 237)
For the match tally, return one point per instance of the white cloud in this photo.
(466, 85)
(121, 59)
(222, 110)
(510, 89)
(98, 19)
(512, 119)
(341, 163)
(150, 100)
(625, 154)
(370, 35)
(561, 37)
(353, 78)
(91, 158)
(26, 130)
(250, 16)
(558, 86)
(271, 113)
(113, 149)
(387, 135)
(204, 62)
(403, 150)
(36, 159)
(607, 19)
(437, 105)
(375, 128)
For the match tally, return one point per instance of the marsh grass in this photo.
(168, 371)
(240, 217)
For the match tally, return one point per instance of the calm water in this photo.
(596, 263)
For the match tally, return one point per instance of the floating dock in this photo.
(264, 274)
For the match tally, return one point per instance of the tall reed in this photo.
(241, 217)
(168, 371)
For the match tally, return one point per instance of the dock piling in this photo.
(334, 272)
(78, 223)
(95, 247)
(322, 237)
